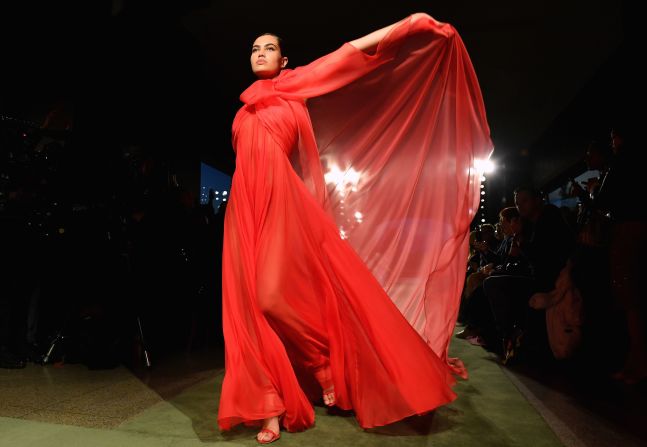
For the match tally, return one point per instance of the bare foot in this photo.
(271, 424)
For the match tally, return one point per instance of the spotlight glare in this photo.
(484, 166)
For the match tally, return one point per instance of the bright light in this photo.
(484, 166)
(482, 220)
(224, 193)
(344, 181)
(334, 175)
(482, 193)
(483, 178)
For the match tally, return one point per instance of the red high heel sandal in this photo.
(274, 436)
(324, 377)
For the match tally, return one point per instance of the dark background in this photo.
(167, 75)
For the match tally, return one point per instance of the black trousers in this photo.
(508, 296)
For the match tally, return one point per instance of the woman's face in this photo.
(266, 58)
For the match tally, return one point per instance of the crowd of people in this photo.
(539, 283)
(98, 266)
(542, 285)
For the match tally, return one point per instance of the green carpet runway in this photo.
(489, 411)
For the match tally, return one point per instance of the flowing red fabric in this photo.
(325, 230)
(401, 149)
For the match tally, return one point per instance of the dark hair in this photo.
(281, 42)
(509, 213)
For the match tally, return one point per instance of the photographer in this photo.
(486, 245)
(592, 225)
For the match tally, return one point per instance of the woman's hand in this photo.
(420, 16)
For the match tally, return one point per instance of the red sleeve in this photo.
(341, 67)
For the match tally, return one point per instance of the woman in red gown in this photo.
(306, 311)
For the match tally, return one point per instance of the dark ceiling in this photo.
(171, 75)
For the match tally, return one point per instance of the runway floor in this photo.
(175, 404)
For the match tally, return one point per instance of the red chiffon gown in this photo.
(358, 269)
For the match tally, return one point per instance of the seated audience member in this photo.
(476, 314)
(546, 245)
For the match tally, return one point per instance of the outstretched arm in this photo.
(368, 43)
(343, 66)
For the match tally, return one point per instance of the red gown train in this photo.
(359, 268)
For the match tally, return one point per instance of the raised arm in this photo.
(368, 43)
(348, 63)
